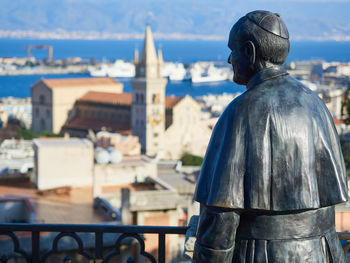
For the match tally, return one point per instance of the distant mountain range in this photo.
(208, 19)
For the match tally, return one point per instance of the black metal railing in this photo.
(60, 231)
(71, 230)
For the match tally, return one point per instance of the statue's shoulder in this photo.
(278, 95)
(281, 88)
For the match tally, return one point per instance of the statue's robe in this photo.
(274, 150)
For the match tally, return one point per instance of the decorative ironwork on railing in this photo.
(71, 230)
(98, 231)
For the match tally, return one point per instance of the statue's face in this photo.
(242, 69)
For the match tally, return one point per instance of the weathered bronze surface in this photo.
(274, 169)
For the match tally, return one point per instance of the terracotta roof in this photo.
(121, 98)
(83, 123)
(68, 82)
(107, 97)
(171, 101)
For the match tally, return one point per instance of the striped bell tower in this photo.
(148, 98)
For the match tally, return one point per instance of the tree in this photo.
(29, 135)
(26, 134)
(190, 159)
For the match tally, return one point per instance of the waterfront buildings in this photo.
(213, 105)
(63, 162)
(16, 108)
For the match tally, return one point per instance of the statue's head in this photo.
(258, 40)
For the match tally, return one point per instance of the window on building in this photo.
(42, 99)
(137, 98)
(48, 113)
(36, 111)
(156, 98)
(141, 98)
(42, 125)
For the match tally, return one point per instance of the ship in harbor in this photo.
(199, 72)
(175, 72)
(119, 69)
(208, 72)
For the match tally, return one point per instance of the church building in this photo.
(166, 126)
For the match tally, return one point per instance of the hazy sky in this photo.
(306, 19)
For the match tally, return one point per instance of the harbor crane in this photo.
(49, 48)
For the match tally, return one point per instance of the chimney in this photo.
(125, 206)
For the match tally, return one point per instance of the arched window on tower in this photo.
(42, 99)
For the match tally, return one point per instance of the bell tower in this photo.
(148, 98)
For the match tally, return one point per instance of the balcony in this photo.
(34, 253)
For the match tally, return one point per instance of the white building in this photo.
(63, 162)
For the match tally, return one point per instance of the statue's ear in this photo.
(249, 51)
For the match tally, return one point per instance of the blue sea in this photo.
(19, 86)
(177, 51)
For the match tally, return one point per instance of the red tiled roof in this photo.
(68, 82)
(171, 101)
(121, 98)
(107, 97)
(83, 123)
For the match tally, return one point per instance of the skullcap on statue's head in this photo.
(270, 22)
(268, 33)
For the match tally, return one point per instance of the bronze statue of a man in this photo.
(274, 169)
